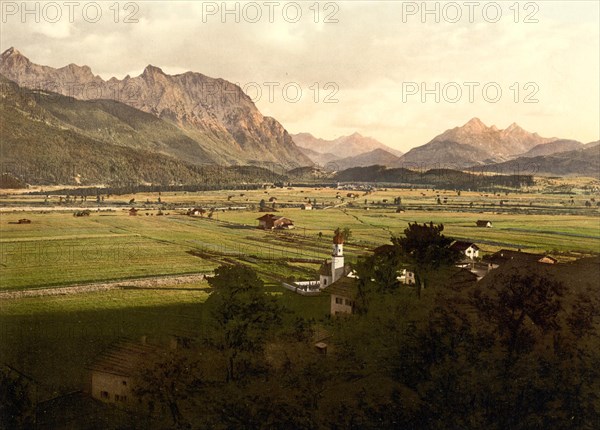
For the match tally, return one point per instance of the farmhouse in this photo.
(484, 223)
(306, 207)
(343, 296)
(196, 211)
(464, 277)
(112, 376)
(468, 249)
(270, 222)
(133, 212)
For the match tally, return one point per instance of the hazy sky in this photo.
(364, 70)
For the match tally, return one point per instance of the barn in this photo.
(271, 222)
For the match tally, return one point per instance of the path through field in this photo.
(141, 283)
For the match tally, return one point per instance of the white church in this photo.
(329, 273)
(336, 269)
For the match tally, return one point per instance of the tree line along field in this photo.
(53, 338)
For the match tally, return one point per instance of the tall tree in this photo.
(168, 383)
(424, 249)
(243, 317)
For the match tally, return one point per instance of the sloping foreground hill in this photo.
(41, 146)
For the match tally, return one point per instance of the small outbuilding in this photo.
(113, 374)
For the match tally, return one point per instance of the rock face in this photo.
(474, 144)
(499, 144)
(215, 113)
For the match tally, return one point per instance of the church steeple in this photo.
(338, 244)
(337, 256)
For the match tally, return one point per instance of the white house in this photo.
(407, 277)
(468, 249)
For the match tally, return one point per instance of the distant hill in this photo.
(342, 147)
(216, 114)
(319, 158)
(549, 148)
(376, 157)
(434, 177)
(446, 154)
(581, 162)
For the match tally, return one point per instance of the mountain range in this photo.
(50, 139)
(160, 128)
(219, 122)
(470, 145)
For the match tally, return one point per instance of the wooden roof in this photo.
(345, 287)
(461, 245)
(124, 358)
(505, 255)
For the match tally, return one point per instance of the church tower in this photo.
(337, 256)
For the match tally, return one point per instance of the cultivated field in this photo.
(53, 338)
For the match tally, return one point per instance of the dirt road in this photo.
(150, 282)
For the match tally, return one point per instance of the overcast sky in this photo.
(363, 73)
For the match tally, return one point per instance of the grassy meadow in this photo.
(53, 338)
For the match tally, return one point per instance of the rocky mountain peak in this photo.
(475, 124)
(152, 70)
(10, 51)
(513, 128)
(11, 55)
(511, 141)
